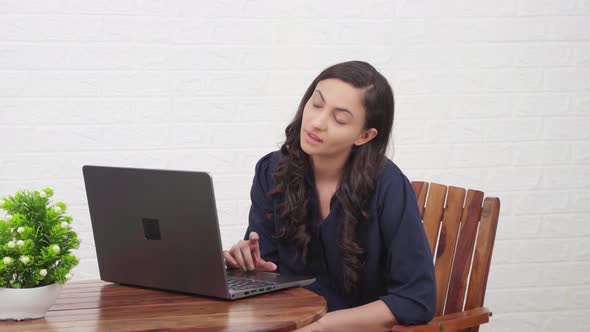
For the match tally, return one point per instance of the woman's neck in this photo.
(328, 168)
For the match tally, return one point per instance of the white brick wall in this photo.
(493, 95)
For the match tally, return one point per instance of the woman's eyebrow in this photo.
(339, 109)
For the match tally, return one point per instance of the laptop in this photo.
(159, 229)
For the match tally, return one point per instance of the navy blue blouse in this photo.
(398, 268)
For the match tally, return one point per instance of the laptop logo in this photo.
(151, 228)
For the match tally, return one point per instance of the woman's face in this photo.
(334, 119)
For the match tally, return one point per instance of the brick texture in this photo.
(493, 95)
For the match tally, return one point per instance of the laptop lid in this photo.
(156, 228)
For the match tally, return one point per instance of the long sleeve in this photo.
(261, 208)
(409, 270)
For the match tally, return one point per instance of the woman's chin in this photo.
(307, 148)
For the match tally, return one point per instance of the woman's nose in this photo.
(320, 120)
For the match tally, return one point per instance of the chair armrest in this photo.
(452, 322)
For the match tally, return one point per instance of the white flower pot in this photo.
(27, 303)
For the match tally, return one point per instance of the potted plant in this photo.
(36, 237)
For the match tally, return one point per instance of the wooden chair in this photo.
(463, 254)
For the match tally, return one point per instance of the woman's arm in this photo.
(374, 316)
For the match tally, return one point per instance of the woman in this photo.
(330, 204)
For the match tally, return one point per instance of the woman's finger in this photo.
(247, 255)
(229, 260)
(254, 245)
(237, 255)
(266, 266)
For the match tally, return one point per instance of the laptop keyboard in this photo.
(237, 284)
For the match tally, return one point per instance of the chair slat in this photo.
(433, 213)
(483, 253)
(420, 189)
(464, 252)
(446, 244)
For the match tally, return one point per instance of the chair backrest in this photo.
(461, 228)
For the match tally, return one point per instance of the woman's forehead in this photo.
(340, 94)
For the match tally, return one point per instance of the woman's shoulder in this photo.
(392, 196)
(264, 169)
(268, 163)
(391, 179)
(389, 172)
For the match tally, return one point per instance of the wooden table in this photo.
(102, 306)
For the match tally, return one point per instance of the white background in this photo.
(490, 95)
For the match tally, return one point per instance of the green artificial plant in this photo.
(36, 237)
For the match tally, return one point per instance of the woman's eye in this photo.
(316, 106)
(340, 122)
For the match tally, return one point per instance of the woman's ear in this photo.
(366, 136)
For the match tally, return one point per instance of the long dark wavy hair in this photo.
(358, 180)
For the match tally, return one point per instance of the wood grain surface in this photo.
(102, 306)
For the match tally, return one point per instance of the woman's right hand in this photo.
(245, 255)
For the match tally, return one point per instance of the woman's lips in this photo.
(313, 138)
